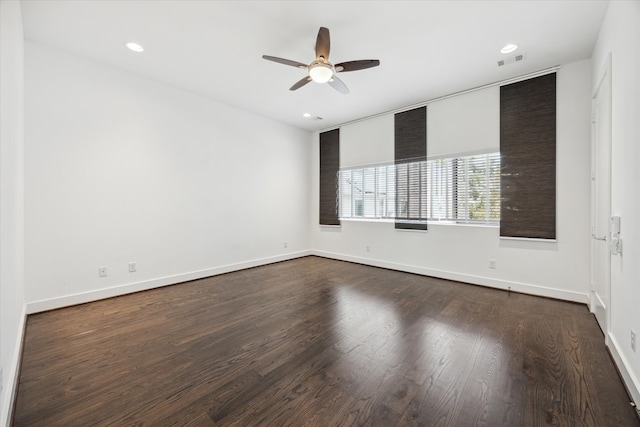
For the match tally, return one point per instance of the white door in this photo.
(601, 200)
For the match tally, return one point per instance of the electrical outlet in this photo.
(285, 244)
(367, 248)
(633, 340)
(102, 271)
(492, 264)
(132, 267)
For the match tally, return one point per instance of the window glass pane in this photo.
(357, 193)
(494, 186)
(345, 194)
(369, 192)
(440, 190)
(477, 187)
(391, 191)
(381, 193)
(402, 193)
(414, 196)
(424, 213)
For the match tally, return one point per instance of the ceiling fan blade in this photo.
(284, 61)
(339, 85)
(356, 65)
(323, 44)
(303, 81)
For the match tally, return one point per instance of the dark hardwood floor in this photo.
(322, 343)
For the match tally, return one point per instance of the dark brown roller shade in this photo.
(410, 145)
(329, 167)
(528, 158)
(410, 135)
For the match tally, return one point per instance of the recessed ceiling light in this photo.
(307, 115)
(134, 46)
(508, 48)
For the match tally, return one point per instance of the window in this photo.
(456, 189)
(367, 192)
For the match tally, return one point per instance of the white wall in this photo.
(620, 36)
(11, 200)
(121, 169)
(556, 269)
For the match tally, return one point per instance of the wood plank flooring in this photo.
(319, 342)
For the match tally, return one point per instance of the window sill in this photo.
(391, 221)
(429, 223)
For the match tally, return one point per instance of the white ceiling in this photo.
(213, 48)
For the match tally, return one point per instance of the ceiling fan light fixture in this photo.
(320, 72)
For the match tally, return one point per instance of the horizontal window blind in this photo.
(411, 192)
(459, 189)
(478, 188)
(368, 192)
(465, 189)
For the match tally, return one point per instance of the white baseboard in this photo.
(524, 288)
(629, 379)
(84, 297)
(13, 368)
(597, 301)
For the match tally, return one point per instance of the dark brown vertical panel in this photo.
(528, 158)
(410, 135)
(410, 145)
(329, 167)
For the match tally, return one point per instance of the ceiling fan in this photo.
(321, 70)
